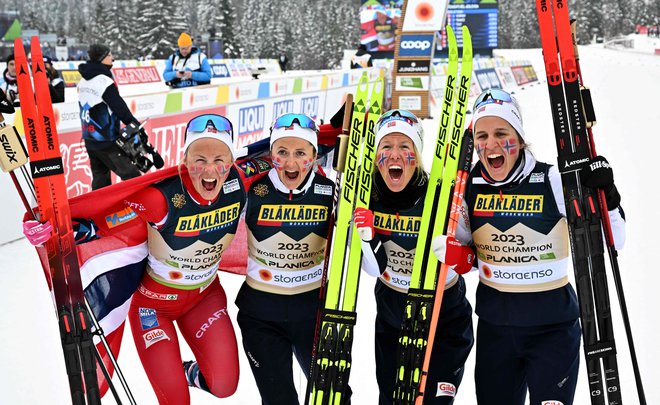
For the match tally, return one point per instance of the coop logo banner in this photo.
(416, 45)
(282, 107)
(220, 70)
(251, 122)
(310, 106)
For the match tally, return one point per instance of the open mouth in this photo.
(209, 184)
(496, 160)
(291, 175)
(395, 172)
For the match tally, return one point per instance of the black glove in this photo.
(598, 174)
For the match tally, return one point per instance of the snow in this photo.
(624, 88)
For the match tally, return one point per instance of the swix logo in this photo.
(282, 107)
(9, 151)
(310, 106)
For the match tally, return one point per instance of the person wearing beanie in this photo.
(287, 218)
(102, 110)
(188, 66)
(55, 83)
(9, 85)
(389, 237)
(514, 215)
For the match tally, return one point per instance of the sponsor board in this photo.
(413, 66)
(282, 107)
(424, 15)
(419, 45)
(416, 83)
(136, 75)
(71, 77)
(487, 79)
(251, 124)
(310, 106)
(411, 103)
(220, 70)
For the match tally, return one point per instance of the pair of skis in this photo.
(586, 210)
(447, 181)
(47, 172)
(331, 364)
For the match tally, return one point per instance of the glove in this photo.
(598, 174)
(37, 233)
(364, 221)
(450, 251)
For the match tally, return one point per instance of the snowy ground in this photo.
(625, 88)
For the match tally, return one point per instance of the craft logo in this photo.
(310, 106)
(216, 316)
(387, 224)
(250, 124)
(282, 107)
(120, 217)
(291, 215)
(194, 225)
(416, 45)
(514, 205)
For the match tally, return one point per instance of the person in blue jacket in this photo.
(188, 66)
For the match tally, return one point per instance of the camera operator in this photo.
(55, 82)
(101, 109)
(188, 66)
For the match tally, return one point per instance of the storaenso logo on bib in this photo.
(47, 167)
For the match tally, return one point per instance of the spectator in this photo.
(188, 66)
(9, 86)
(55, 82)
(282, 61)
(362, 58)
(101, 109)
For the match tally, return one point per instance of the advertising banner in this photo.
(416, 45)
(424, 15)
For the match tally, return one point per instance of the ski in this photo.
(428, 277)
(47, 172)
(332, 363)
(586, 210)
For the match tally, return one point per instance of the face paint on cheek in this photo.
(277, 164)
(481, 149)
(510, 146)
(409, 158)
(382, 159)
(307, 164)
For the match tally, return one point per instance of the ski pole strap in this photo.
(600, 350)
(338, 316)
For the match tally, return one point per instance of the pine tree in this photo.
(161, 23)
(217, 17)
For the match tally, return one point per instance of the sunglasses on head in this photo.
(392, 114)
(492, 95)
(286, 120)
(200, 123)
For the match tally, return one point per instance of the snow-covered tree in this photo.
(217, 17)
(161, 22)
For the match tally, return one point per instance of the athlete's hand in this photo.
(598, 174)
(452, 253)
(37, 233)
(364, 221)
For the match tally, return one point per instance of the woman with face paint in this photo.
(193, 218)
(528, 338)
(287, 217)
(389, 237)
